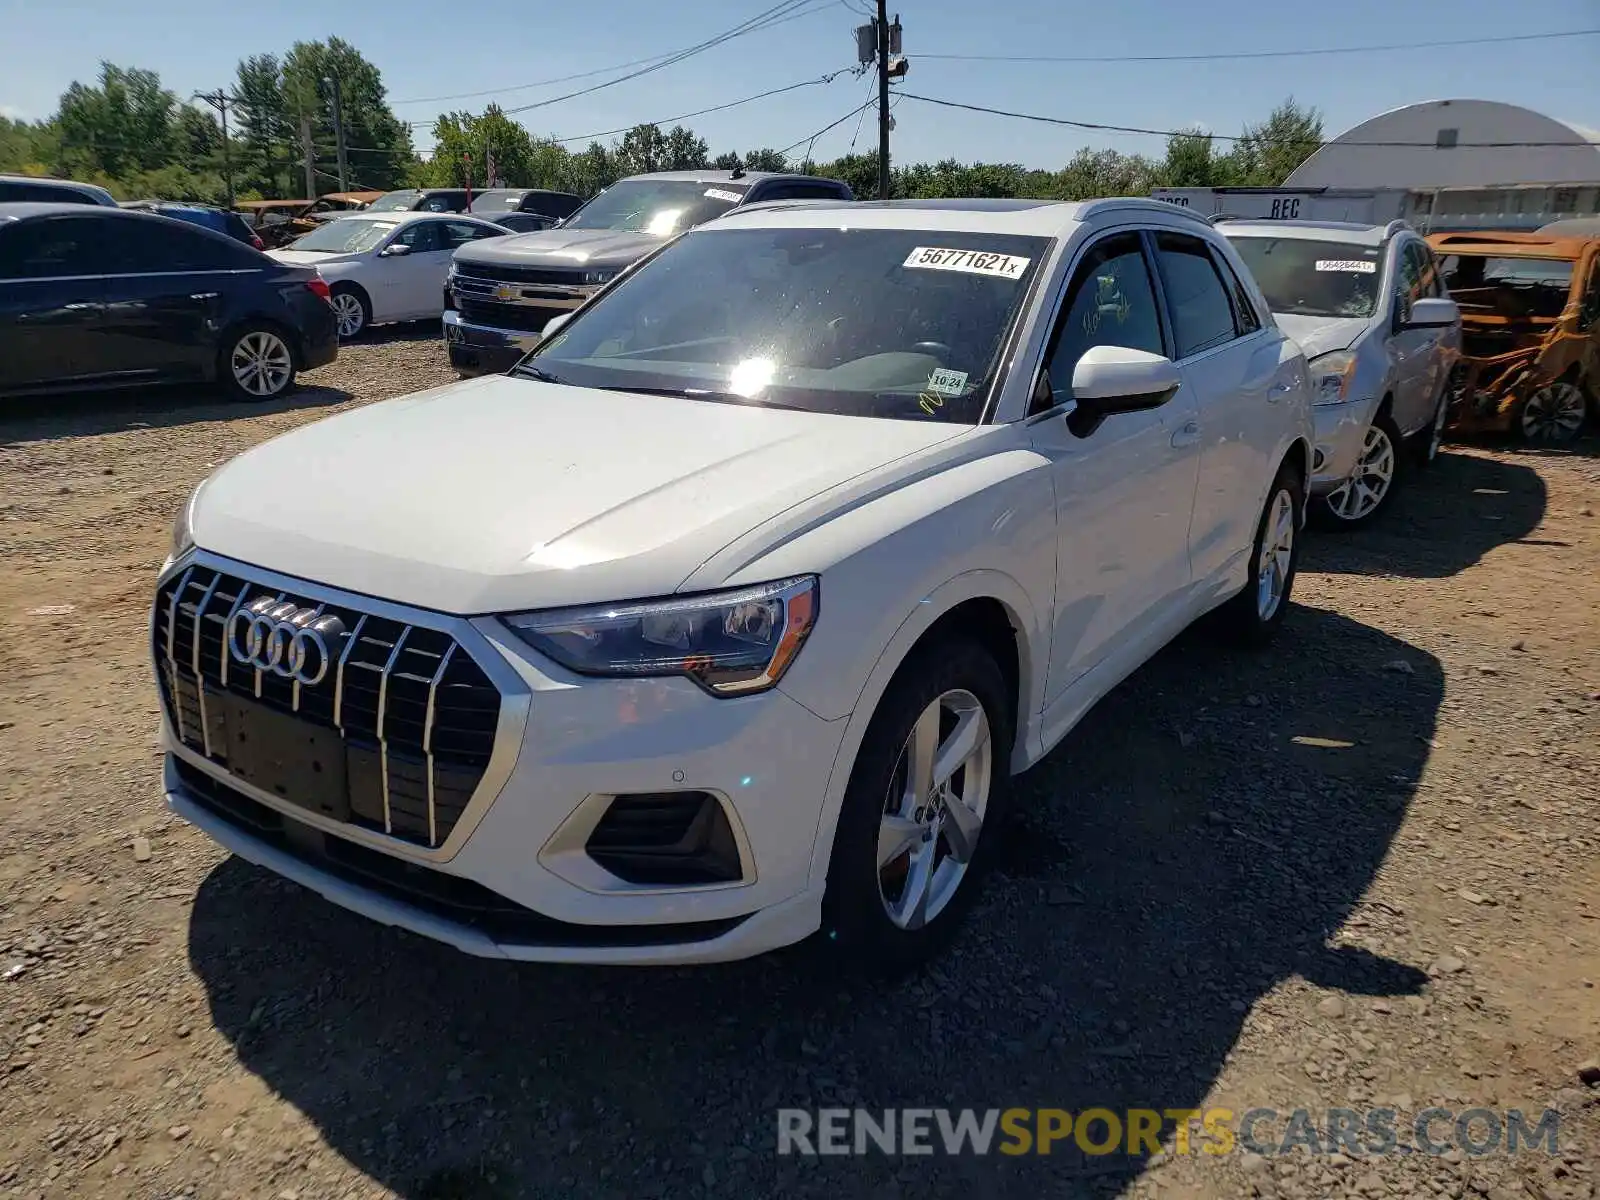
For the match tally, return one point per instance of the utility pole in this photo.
(309, 151)
(882, 24)
(338, 132)
(219, 100)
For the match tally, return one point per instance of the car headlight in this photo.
(1331, 375)
(731, 643)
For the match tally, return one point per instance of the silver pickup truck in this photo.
(502, 291)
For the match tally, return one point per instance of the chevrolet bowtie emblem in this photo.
(505, 292)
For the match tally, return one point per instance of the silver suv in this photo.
(1368, 305)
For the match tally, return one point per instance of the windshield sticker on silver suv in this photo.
(973, 262)
(1359, 266)
(947, 382)
(724, 194)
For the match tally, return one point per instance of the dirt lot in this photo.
(1359, 871)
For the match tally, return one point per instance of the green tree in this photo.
(378, 143)
(124, 125)
(1094, 173)
(456, 134)
(265, 139)
(643, 149)
(683, 151)
(1191, 160)
(1266, 154)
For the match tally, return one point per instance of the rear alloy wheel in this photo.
(921, 811)
(1253, 616)
(350, 311)
(259, 365)
(1554, 414)
(1371, 481)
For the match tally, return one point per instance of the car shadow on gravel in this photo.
(1440, 522)
(86, 414)
(1200, 839)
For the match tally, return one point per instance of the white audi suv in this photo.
(728, 614)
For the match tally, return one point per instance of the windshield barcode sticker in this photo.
(973, 262)
(724, 194)
(1359, 265)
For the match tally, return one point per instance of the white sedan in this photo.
(727, 615)
(387, 266)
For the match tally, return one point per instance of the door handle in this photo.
(1188, 435)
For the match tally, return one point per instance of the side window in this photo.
(435, 204)
(1111, 302)
(1246, 319)
(55, 248)
(1407, 282)
(1197, 299)
(459, 233)
(1432, 282)
(1590, 313)
(423, 236)
(159, 246)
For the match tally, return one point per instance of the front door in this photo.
(51, 301)
(164, 298)
(411, 285)
(1415, 352)
(1123, 491)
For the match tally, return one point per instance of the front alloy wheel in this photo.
(261, 365)
(1553, 414)
(1369, 483)
(933, 811)
(350, 314)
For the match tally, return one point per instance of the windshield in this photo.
(1314, 278)
(347, 235)
(401, 201)
(661, 206)
(1509, 287)
(867, 322)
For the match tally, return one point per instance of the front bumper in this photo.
(1340, 431)
(569, 743)
(482, 349)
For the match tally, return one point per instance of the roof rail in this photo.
(1113, 203)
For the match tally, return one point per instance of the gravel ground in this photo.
(1358, 871)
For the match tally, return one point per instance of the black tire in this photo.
(1567, 395)
(1243, 617)
(1327, 509)
(268, 344)
(346, 292)
(856, 925)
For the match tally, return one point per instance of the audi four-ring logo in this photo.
(279, 636)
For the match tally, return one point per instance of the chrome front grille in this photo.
(394, 738)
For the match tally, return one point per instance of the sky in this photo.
(428, 49)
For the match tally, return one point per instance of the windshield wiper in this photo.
(529, 371)
(704, 394)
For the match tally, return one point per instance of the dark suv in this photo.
(25, 189)
(524, 210)
(502, 291)
(422, 200)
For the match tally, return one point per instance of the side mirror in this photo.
(553, 324)
(1109, 380)
(1433, 312)
(397, 250)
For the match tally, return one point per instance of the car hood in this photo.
(1322, 335)
(576, 248)
(500, 493)
(311, 258)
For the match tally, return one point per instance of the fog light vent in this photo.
(674, 839)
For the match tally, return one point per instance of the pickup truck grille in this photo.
(526, 318)
(533, 275)
(394, 736)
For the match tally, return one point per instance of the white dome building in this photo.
(1441, 144)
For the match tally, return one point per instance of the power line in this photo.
(1249, 54)
(811, 140)
(1221, 137)
(777, 15)
(584, 137)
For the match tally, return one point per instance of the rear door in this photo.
(166, 290)
(52, 297)
(1231, 365)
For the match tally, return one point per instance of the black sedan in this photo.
(94, 297)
